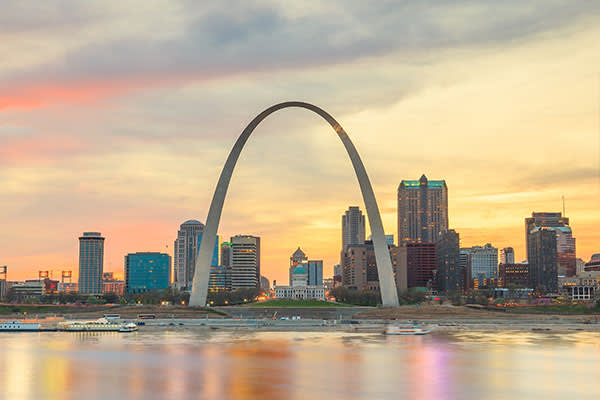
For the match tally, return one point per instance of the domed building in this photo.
(299, 281)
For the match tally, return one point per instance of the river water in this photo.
(195, 364)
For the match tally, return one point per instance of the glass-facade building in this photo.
(91, 263)
(147, 271)
(315, 272)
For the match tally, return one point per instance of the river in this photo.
(196, 364)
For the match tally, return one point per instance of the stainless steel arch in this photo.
(389, 296)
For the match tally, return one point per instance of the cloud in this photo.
(264, 37)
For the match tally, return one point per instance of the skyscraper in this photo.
(565, 242)
(421, 261)
(315, 272)
(422, 210)
(449, 272)
(353, 227)
(542, 259)
(226, 254)
(360, 267)
(147, 271)
(507, 255)
(91, 263)
(245, 262)
(185, 250)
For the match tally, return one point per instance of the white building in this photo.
(245, 262)
(484, 261)
(299, 289)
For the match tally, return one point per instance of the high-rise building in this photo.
(245, 262)
(360, 267)
(91, 263)
(483, 261)
(147, 271)
(565, 242)
(507, 255)
(315, 272)
(449, 272)
(422, 210)
(398, 256)
(226, 254)
(353, 227)
(464, 262)
(421, 262)
(543, 259)
(185, 251)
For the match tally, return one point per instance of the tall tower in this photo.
(565, 242)
(245, 262)
(422, 210)
(185, 249)
(353, 229)
(91, 263)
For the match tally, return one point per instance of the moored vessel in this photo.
(99, 325)
(406, 329)
(20, 326)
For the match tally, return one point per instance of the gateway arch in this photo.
(389, 296)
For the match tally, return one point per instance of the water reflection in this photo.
(190, 363)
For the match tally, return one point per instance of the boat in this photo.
(20, 326)
(128, 327)
(99, 325)
(406, 329)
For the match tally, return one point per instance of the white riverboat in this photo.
(19, 326)
(99, 325)
(406, 329)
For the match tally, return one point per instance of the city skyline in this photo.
(443, 106)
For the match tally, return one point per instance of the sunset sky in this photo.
(117, 117)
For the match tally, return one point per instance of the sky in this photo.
(117, 117)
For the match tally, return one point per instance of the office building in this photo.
(147, 272)
(315, 272)
(422, 210)
(353, 227)
(184, 254)
(483, 261)
(464, 262)
(507, 255)
(543, 259)
(449, 273)
(359, 267)
(565, 242)
(219, 279)
(398, 255)
(513, 274)
(421, 262)
(226, 254)
(245, 262)
(91, 263)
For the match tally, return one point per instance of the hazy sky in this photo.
(118, 116)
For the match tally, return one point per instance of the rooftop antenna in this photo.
(563, 201)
